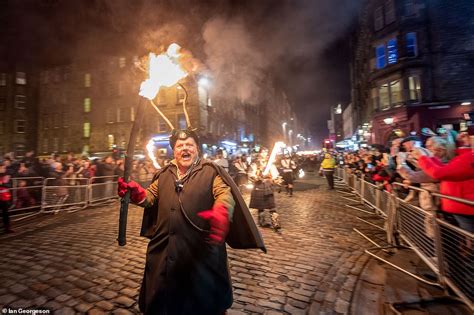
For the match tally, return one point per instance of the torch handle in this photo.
(122, 233)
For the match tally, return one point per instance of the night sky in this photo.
(302, 45)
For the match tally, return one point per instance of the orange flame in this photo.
(164, 70)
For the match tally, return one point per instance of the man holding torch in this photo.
(192, 208)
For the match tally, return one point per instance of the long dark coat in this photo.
(184, 274)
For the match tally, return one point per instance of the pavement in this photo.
(70, 262)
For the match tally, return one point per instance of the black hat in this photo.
(410, 138)
(183, 134)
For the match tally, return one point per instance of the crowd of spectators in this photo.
(440, 162)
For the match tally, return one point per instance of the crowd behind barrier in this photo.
(446, 248)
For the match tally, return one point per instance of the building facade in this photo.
(18, 109)
(90, 106)
(412, 66)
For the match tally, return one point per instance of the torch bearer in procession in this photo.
(164, 70)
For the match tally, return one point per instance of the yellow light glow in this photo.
(278, 145)
(150, 147)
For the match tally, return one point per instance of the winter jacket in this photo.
(457, 180)
(329, 163)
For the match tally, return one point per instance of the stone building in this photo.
(89, 106)
(412, 66)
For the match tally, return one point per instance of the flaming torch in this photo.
(276, 147)
(164, 70)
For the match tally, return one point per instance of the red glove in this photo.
(218, 218)
(137, 192)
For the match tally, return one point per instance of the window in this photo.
(384, 97)
(122, 62)
(3, 79)
(44, 145)
(20, 101)
(409, 7)
(181, 121)
(109, 116)
(45, 121)
(65, 119)
(120, 114)
(380, 56)
(20, 126)
(132, 113)
(390, 15)
(56, 120)
(87, 80)
(2, 127)
(85, 148)
(412, 49)
(87, 105)
(378, 18)
(180, 95)
(161, 125)
(396, 97)
(87, 130)
(20, 78)
(162, 97)
(110, 141)
(392, 51)
(55, 144)
(20, 150)
(414, 88)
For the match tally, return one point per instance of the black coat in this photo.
(184, 274)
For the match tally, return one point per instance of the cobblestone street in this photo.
(71, 263)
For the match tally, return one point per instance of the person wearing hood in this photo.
(192, 207)
(328, 165)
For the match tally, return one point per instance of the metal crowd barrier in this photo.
(102, 189)
(64, 194)
(26, 197)
(447, 249)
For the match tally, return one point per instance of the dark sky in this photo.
(301, 44)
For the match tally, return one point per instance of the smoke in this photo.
(237, 65)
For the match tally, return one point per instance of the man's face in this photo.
(409, 145)
(185, 152)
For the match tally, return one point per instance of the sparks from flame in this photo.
(150, 147)
(278, 145)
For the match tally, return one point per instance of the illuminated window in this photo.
(384, 97)
(411, 46)
(132, 113)
(122, 62)
(110, 141)
(85, 148)
(87, 80)
(162, 125)
(20, 101)
(87, 105)
(20, 78)
(87, 130)
(392, 54)
(120, 114)
(20, 126)
(414, 88)
(396, 97)
(3, 79)
(380, 56)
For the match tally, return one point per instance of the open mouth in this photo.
(186, 156)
